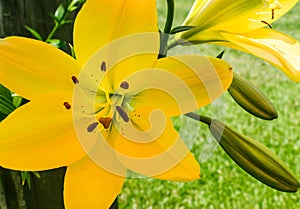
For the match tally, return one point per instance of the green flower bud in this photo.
(251, 99)
(255, 158)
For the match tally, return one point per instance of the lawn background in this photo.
(224, 185)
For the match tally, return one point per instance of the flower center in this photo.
(111, 105)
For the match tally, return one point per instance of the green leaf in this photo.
(75, 5)
(17, 101)
(220, 56)
(59, 13)
(6, 105)
(179, 29)
(57, 43)
(26, 177)
(2, 116)
(34, 33)
(67, 22)
(5, 92)
(72, 51)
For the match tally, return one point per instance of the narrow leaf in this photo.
(181, 29)
(34, 33)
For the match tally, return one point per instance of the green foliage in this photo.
(34, 33)
(26, 177)
(181, 29)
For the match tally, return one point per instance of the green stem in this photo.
(172, 44)
(58, 24)
(199, 118)
(168, 27)
(170, 16)
(53, 31)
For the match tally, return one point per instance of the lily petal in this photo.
(234, 17)
(185, 83)
(39, 135)
(88, 186)
(33, 68)
(113, 63)
(277, 48)
(149, 145)
(100, 22)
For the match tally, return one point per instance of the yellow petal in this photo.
(39, 136)
(234, 17)
(182, 84)
(277, 48)
(112, 64)
(100, 22)
(33, 68)
(149, 145)
(88, 186)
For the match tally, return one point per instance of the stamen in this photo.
(103, 66)
(124, 85)
(273, 14)
(122, 113)
(266, 24)
(105, 122)
(92, 127)
(67, 105)
(75, 80)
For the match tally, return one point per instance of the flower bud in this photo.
(255, 158)
(251, 99)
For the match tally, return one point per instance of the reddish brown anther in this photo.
(103, 66)
(105, 122)
(267, 24)
(75, 79)
(67, 105)
(124, 85)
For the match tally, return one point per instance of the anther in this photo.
(67, 105)
(103, 66)
(124, 85)
(122, 113)
(273, 14)
(266, 24)
(75, 80)
(105, 122)
(92, 127)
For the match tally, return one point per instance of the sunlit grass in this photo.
(224, 185)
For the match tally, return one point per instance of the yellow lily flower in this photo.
(109, 110)
(239, 24)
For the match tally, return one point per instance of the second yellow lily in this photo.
(239, 24)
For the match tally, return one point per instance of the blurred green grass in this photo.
(224, 185)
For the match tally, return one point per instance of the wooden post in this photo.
(15, 14)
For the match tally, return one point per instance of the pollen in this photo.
(67, 105)
(105, 122)
(103, 66)
(75, 80)
(124, 85)
(92, 127)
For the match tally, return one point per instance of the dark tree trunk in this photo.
(15, 14)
